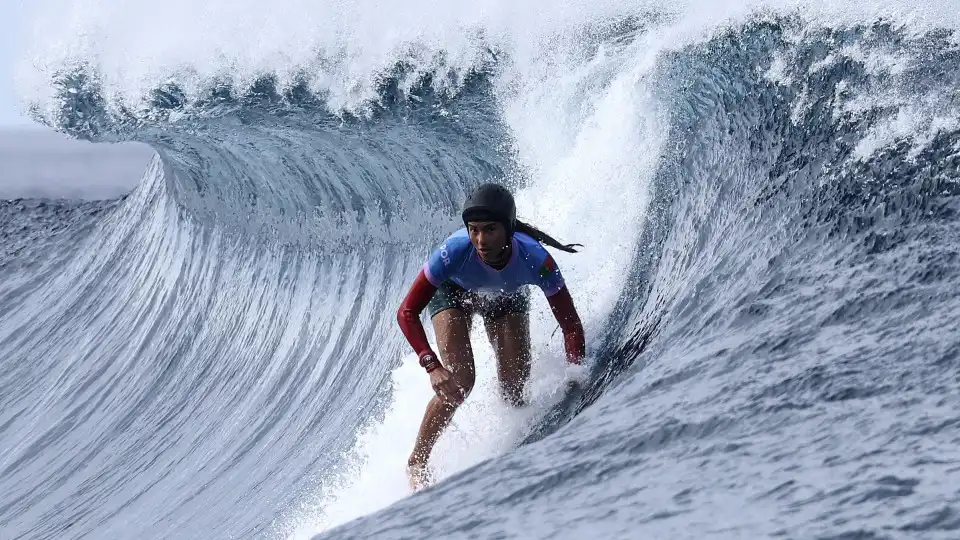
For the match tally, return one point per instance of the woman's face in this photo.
(490, 240)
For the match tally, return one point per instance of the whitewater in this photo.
(767, 193)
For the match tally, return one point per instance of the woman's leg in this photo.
(510, 336)
(452, 327)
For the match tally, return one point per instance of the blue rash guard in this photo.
(458, 261)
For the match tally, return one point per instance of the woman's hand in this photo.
(446, 386)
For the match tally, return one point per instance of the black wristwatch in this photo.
(429, 362)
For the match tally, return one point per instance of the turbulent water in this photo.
(767, 193)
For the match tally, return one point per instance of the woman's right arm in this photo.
(408, 316)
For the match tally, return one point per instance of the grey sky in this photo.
(11, 24)
(42, 163)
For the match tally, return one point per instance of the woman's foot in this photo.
(419, 475)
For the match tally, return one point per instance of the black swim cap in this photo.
(491, 202)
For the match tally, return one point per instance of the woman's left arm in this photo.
(566, 314)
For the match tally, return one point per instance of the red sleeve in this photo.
(573, 340)
(408, 316)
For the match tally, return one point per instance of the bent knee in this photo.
(466, 386)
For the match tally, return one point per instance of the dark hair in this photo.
(543, 237)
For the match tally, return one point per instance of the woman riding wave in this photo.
(484, 268)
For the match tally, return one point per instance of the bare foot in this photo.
(419, 476)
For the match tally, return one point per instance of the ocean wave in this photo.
(766, 283)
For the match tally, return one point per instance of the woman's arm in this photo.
(566, 314)
(408, 316)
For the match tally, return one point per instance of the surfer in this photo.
(483, 268)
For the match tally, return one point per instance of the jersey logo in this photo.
(548, 267)
(445, 255)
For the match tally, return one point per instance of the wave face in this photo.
(768, 198)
